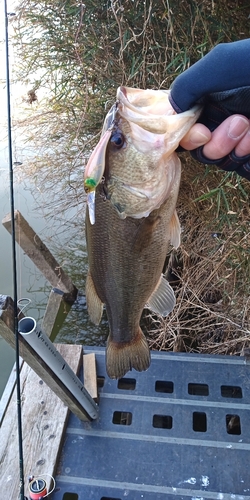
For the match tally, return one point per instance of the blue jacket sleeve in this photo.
(224, 68)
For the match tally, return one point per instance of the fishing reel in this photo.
(38, 488)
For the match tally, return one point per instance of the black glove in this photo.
(221, 82)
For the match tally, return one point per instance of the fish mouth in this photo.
(151, 110)
(145, 105)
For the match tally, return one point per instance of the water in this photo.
(63, 233)
(30, 283)
(64, 236)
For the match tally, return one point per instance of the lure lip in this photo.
(91, 206)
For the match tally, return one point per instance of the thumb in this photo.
(197, 136)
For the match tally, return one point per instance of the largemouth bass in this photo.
(132, 180)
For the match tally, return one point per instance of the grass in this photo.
(210, 272)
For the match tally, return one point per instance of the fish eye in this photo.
(117, 140)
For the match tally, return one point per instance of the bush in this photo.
(73, 56)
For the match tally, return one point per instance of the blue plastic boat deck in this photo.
(181, 430)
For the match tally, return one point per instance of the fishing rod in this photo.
(14, 266)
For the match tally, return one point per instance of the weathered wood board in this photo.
(37, 251)
(8, 391)
(44, 417)
(90, 375)
(55, 313)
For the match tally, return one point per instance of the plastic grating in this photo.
(181, 430)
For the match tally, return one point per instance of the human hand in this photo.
(220, 81)
(232, 134)
(228, 146)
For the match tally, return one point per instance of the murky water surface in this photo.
(64, 236)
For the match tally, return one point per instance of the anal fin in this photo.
(94, 304)
(162, 300)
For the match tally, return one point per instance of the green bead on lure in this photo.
(89, 185)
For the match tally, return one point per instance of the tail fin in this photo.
(122, 357)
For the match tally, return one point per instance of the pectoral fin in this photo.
(94, 304)
(162, 300)
(175, 230)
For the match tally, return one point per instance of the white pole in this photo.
(41, 343)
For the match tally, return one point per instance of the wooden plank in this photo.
(37, 251)
(44, 417)
(7, 311)
(38, 364)
(6, 303)
(55, 313)
(8, 391)
(90, 375)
